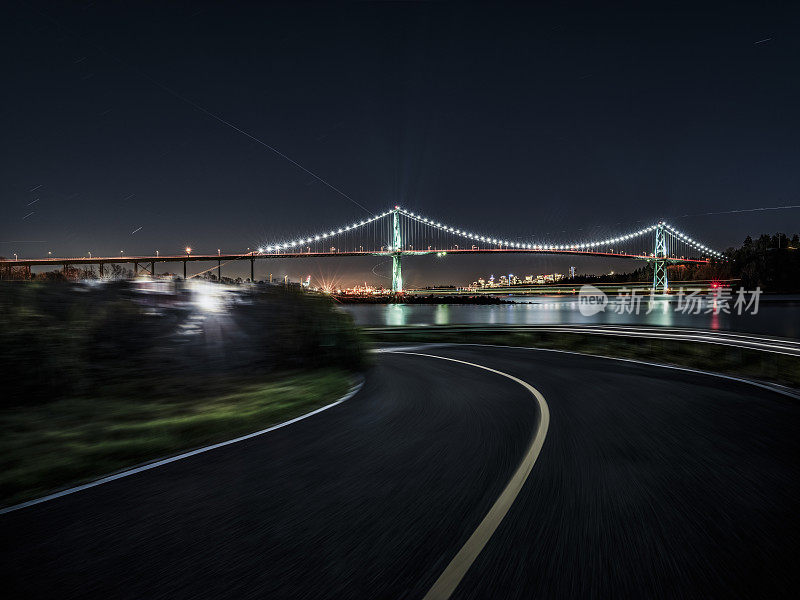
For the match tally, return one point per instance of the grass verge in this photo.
(750, 364)
(71, 441)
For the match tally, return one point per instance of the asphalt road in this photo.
(651, 483)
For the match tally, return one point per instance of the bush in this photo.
(59, 340)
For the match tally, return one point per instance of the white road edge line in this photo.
(158, 463)
(766, 386)
(454, 572)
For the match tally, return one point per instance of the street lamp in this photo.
(90, 254)
(188, 250)
(156, 253)
(219, 252)
(15, 256)
(49, 253)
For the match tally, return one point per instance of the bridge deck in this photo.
(161, 258)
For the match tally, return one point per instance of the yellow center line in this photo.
(454, 572)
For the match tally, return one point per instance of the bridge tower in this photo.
(397, 247)
(660, 281)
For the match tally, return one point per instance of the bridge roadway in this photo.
(161, 258)
(650, 482)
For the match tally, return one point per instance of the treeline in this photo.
(65, 340)
(771, 262)
(68, 273)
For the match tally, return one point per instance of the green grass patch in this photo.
(66, 442)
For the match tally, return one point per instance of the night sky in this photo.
(520, 120)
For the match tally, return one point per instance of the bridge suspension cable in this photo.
(441, 236)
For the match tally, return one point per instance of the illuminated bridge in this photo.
(399, 232)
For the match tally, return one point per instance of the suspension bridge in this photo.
(399, 232)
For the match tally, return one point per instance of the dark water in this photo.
(777, 315)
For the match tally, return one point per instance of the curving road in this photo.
(651, 482)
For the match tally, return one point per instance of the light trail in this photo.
(204, 111)
(741, 210)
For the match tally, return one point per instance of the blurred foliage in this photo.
(61, 340)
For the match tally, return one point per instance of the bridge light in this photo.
(260, 249)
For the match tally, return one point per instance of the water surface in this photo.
(777, 315)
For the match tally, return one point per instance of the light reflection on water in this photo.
(778, 315)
